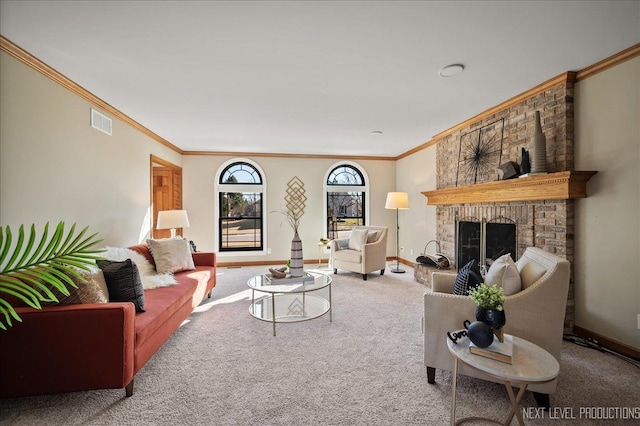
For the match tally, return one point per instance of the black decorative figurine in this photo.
(525, 167)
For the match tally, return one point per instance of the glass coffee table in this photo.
(289, 302)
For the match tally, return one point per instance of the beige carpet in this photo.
(224, 367)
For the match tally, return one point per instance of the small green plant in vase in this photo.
(489, 299)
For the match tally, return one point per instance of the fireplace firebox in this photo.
(484, 241)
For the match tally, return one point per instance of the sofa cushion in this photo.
(143, 249)
(466, 279)
(358, 238)
(171, 255)
(123, 282)
(504, 273)
(162, 303)
(347, 255)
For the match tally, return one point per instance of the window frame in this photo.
(257, 188)
(364, 189)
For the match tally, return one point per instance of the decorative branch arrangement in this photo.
(295, 202)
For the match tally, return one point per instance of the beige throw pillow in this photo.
(90, 288)
(357, 239)
(504, 273)
(372, 237)
(171, 255)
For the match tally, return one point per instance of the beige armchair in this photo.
(372, 255)
(536, 314)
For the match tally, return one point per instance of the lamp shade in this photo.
(172, 219)
(397, 200)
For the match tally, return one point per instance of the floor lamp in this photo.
(398, 201)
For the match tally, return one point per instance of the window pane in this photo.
(240, 221)
(345, 210)
(241, 173)
(345, 175)
(241, 234)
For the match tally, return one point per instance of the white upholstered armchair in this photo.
(365, 251)
(536, 314)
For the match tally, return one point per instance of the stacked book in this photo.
(500, 351)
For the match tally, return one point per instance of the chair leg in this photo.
(335, 271)
(431, 375)
(364, 277)
(381, 271)
(542, 399)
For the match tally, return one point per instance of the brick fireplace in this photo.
(541, 221)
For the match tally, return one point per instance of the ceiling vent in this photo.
(100, 122)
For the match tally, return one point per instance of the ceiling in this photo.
(313, 77)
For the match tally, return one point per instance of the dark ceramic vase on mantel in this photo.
(493, 317)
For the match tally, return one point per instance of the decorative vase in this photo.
(493, 317)
(296, 268)
(539, 148)
(481, 313)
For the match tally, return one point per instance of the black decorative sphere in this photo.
(480, 334)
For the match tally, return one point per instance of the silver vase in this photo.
(297, 264)
(538, 155)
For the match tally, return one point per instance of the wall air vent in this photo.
(100, 122)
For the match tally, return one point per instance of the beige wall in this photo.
(199, 173)
(55, 167)
(607, 227)
(415, 174)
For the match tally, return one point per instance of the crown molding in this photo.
(570, 76)
(31, 61)
(609, 62)
(275, 155)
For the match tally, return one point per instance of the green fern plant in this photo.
(28, 270)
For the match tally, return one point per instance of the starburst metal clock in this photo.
(480, 153)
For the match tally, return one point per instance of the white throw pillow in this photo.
(171, 255)
(358, 238)
(504, 273)
(148, 275)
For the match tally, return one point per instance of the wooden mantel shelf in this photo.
(551, 186)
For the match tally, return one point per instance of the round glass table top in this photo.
(289, 285)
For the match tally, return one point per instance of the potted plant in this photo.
(28, 270)
(489, 299)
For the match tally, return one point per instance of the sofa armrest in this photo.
(442, 282)
(204, 259)
(68, 348)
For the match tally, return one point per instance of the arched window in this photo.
(346, 199)
(240, 207)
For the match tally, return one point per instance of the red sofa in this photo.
(97, 346)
